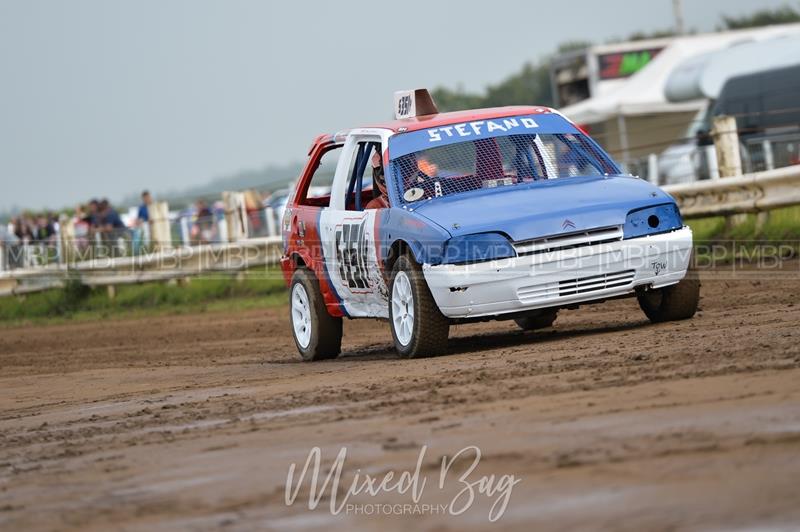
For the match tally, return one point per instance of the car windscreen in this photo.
(506, 159)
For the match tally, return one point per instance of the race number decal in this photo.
(351, 261)
(352, 247)
(404, 104)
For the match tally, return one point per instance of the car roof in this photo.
(437, 120)
(443, 119)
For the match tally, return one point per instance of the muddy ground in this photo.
(606, 421)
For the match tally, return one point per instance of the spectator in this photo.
(93, 216)
(44, 231)
(23, 229)
(14, 256)
(92, 219)
(110, 225)
(109, 219)
(204, 230)
(82, 227)
(144, 209)
(141, 224)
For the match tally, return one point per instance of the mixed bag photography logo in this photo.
(452, 485)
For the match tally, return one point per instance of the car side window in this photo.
(318, 192)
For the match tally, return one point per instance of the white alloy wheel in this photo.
(402, 308)
(301, 315)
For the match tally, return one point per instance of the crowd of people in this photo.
(29, 228)
(34, 237)
(99, 223)
(98, 217)
(29, 239)
(97, 229)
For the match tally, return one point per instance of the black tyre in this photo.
(537, 320)
(317, 334)
(418, 328)
(675, 302)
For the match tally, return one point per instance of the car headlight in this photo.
(652, 220)
(477, 248)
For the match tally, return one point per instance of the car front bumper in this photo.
(559, 278)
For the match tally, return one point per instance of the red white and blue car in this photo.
(441, 218)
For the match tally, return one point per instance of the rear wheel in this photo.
(674, 302)
(418, 328)
(317, 334)
(537, 320)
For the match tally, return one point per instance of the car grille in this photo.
(537, 292)
(545, 291)
(569, 241)
(595, 282)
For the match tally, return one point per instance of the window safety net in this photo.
(504, 161)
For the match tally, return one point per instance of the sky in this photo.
(103, 98)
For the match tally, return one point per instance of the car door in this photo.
(350, 234)
(301, 231)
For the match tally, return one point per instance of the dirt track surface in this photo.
(609, 422)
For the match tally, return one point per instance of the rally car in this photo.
(441, 218)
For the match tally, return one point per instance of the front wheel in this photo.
(317, 334)
(418, 328)
(674, 302)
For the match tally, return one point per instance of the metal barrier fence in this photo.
(700, 163)
(750, 193)
(160, 265)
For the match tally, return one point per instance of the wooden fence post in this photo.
(67, 247)
(235, 215)
(160, 234)
(726, 142)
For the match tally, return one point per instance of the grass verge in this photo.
(254, 289)
(775, 233)
(779, 225)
